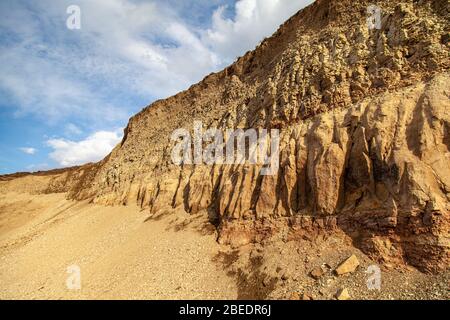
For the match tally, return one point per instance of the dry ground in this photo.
(124, 253)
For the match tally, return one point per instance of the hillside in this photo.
(364, 120)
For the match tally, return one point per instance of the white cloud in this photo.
(254, 20)
(93, 148)
(142, 48)
(125, 48)
(42, 84)
(29, 151)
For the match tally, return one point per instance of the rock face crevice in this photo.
(364, 119)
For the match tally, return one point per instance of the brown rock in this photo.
(343, 294)
(317, 273)
(348, 266)
(306, 297)
(328, 178)
(294, 296)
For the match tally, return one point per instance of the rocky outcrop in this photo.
(362, 167)
(364, 120)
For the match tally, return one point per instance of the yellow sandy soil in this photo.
(122, 252)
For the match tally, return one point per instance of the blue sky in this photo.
(66, 95)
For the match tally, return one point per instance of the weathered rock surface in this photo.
(343, 294)
(364, 119)
(348, 266)
(317, 273)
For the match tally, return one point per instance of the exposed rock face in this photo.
(364, 117)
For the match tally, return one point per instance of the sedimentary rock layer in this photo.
(364, 119)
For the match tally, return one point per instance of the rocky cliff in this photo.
(364, 119)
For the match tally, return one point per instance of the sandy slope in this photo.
(122, 252)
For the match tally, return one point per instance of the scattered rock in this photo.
(306, 297)
(294, 296)
(317, 273)
(348, 266)
(343, 294)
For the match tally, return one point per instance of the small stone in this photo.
(317, 273)
(294, 296)
(306, 297)
(348, 266)
(343, 294)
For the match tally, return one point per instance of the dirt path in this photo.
(122, 252)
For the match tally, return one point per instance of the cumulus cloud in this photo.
(29, 151)
(254, 20)
(93, 148)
